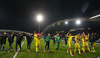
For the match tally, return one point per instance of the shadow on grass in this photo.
(3, 54)
(51, 51)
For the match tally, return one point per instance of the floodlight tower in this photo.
(39, 18)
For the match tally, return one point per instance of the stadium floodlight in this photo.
(66, 22)
(39, 18)
(95, 16)
(78, 22)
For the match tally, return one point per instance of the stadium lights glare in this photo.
(95, 16)
(78, 22)
(53, 25)
(66, 22)
(58, 23)
(39, 18)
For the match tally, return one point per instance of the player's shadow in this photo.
(51, 51)
(3, 54)
(46, 52)
(23, 51)
(63, 49)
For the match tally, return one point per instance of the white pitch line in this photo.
(17, 51)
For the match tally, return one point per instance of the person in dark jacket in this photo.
(54, 40)
(3, 40)
(10, 40)
(92, 40)
(29, 40)
(95, 37)
(24, 36)
(14, 35)
(18, 41)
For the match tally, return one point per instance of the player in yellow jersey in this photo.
(69, 42)
(86, 42)
(37, 37)
(77, 44)
(83, 42)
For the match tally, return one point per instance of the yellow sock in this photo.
(75, 50)
(79, 50)
(83, 49)
(93, 48)
(67, 50)
(88, 48)
(70, 52)
(36, 48)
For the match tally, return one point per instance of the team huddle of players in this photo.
(84, 40)
(19, 37)
(79, 38)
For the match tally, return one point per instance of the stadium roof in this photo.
(86, 23)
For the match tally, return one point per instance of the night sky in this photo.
(21, 14)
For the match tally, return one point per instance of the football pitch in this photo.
(41, 54)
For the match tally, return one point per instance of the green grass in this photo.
(41, 54)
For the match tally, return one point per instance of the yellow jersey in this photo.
(70, 38)
(55, 37)
(77, 39)
(36, 38)
(86, 39)
(82, 40)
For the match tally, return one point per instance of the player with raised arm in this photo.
(69, 43)
(87, 42)
(83, 42)
(77, 38)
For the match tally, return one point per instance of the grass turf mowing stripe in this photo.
(17, 51)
